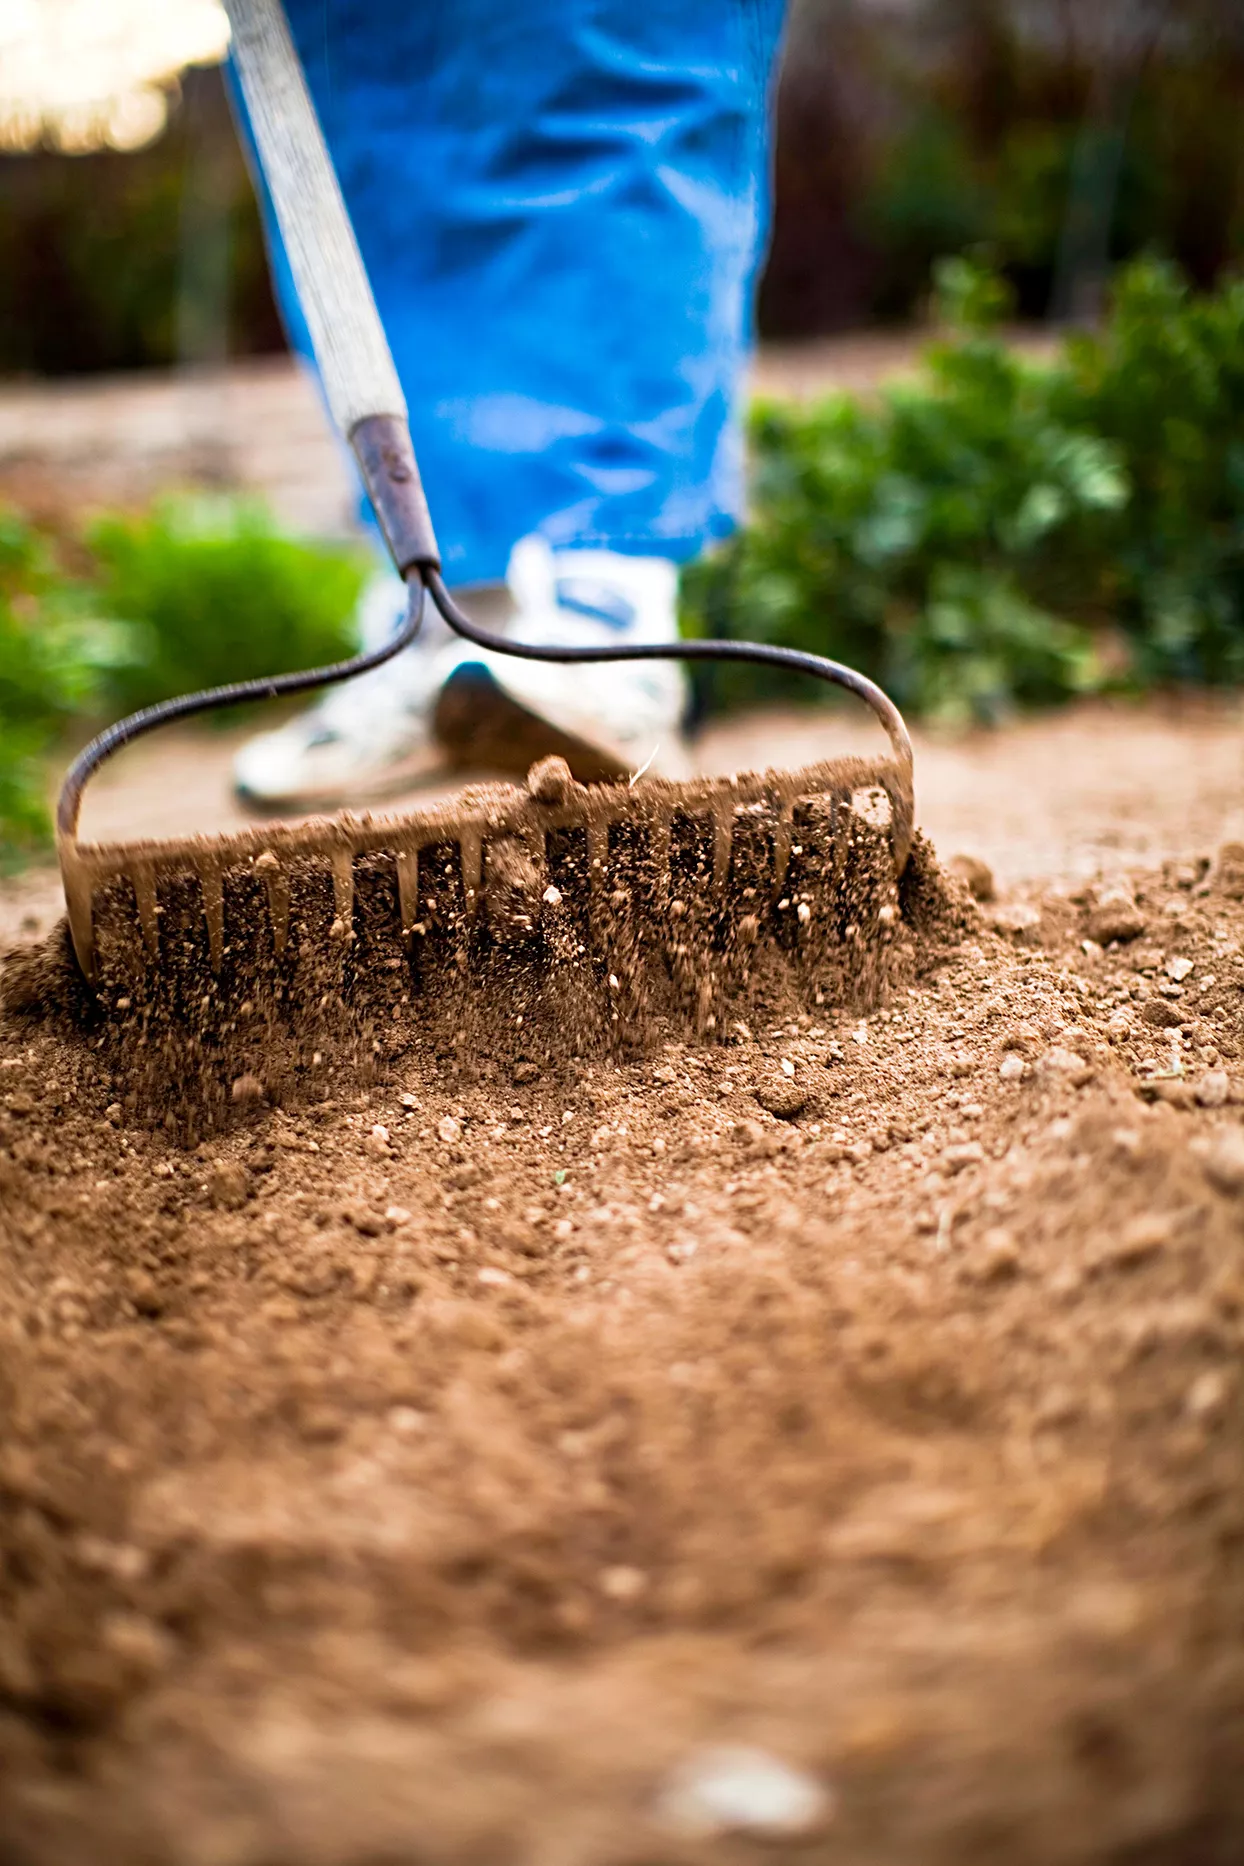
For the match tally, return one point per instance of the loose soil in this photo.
(472, 1465)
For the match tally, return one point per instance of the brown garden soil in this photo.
(824, 1442)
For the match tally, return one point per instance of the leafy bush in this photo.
(1001, 533)
(1164, 386)
(190, 595)
(53, 664)
(213, 592)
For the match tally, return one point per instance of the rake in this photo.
(707, 866)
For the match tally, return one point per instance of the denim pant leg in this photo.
(561, 205)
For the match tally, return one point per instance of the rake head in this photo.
(545, 914)
(503, 861)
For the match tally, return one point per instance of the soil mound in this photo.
(541, 970)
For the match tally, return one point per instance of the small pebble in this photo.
(1018, 921)
(406, 1421)
(247, 1090)
(1208, 1395)
(623, 1583)
(377, 1141)
(957, 1159)
(1139, 1241)
(366, 1222)
(140, 1645)
(1213, 1090)
(734, 1789)
(996, 1261)
(1224, 1163)
(448, 1130)
(1060, 1065)
(144, 1293)
(1011, 1068)
(1178, 969)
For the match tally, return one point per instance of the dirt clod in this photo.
(550, 780)
(228, 1185)
(1063, 1065)
(781, 1095)
(1116, 917)
(1160, 1014)
(976, 875)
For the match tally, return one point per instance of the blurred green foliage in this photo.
(53, 665)
(1000, 533)
(211, 591)
(194, 593)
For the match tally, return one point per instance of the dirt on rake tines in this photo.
(824, 1442)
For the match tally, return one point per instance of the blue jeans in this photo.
(561, 204)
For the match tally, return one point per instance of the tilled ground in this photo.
(591, 1466)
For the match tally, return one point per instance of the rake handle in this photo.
(350, 345)
(355, 363)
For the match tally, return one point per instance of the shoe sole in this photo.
(479, 724)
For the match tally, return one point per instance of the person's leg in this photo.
(561, 206)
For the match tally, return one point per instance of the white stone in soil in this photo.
(736, 1789)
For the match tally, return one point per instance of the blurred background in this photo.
(1061, 137)
(1048, 503)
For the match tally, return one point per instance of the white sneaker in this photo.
(608, 720)
(375, 735)
(362, 738)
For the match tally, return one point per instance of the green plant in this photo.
(54, 661)
(1164, 386)
(193, 593)
(213, 592)
(969, 538)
